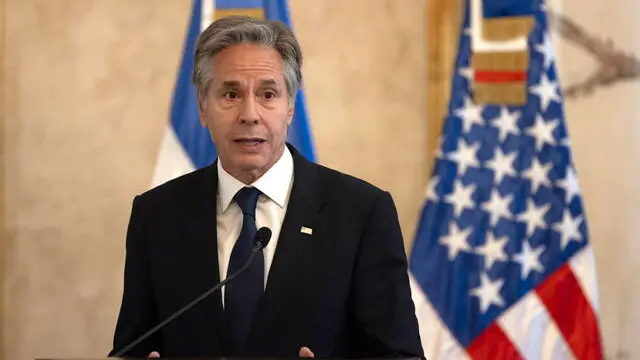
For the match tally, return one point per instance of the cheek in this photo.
(217, 129)
(207, 115)
(217, 118)
(280, 126)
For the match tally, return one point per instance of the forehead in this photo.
(248, 61)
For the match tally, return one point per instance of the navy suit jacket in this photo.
(342, 291)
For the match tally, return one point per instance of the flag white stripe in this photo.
(530, 328)
(583, 265)
(479, 44)
(173, 161)
(207, 9)
(437, 341)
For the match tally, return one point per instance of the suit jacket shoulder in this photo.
(346, 183)
(351, 194)
(183, 189)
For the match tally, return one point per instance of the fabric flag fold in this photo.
(501, 266)
(187, 145)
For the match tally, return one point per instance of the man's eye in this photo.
(231, 95)
(269, 95)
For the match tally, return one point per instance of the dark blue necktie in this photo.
(241, 295)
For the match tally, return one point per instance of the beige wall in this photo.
(88, 86)
(87, 89)
(605, 132)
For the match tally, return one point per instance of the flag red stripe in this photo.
(493, 344)
(499, 76)
(569, 308)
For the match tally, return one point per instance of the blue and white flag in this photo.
(187, 145)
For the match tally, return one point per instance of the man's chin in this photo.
(252, 163)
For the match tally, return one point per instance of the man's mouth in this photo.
(249, 141)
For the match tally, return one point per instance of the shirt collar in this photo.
(275, 183)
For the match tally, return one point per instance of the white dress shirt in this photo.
(275, 186)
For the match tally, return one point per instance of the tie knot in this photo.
(247, 198)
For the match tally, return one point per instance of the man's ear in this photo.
(201, 107)
(290, 113)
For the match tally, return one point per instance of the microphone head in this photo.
(263, 235)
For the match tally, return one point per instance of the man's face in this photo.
(247, 109)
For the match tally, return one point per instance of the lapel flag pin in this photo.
(306, 230)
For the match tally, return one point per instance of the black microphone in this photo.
(260, 239)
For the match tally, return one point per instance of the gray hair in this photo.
(233, 30)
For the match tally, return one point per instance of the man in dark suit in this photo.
(332, 281)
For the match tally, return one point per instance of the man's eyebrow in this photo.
(235, 83)
(231, 83)
(268, 82)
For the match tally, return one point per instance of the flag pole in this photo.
(3, 233)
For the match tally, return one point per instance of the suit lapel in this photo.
(201, 226)
(292, 251)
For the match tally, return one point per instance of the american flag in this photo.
(501, 265)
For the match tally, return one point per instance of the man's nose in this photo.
(249, 111)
